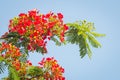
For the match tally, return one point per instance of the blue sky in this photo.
(105, 14)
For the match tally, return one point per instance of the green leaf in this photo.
(58, 43)
(93, 41)
(23, 58)
(2, 67)
(1, 58)
(81, 33)
(34, 71)
(97, 34)
(13, 74)
(89, 51)
(83, 47)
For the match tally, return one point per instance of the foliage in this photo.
(82, 33)
(30, 32)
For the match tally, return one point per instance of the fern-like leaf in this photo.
(93, 41)
(97, 34)
(13, 74)
(2, 67)
(81, 33)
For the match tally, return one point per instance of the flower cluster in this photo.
(38, 28)
(31, 31)
(49, 67)
(11, 54)
(53, 71)
(11, 51)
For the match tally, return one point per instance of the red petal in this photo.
(60, 16)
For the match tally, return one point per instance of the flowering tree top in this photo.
(30, 32)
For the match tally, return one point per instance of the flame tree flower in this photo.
(32, 30)
(48, 68)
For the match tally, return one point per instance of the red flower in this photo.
(29, 47)
(42, 61)
(50, 33)
(63, 78)
(65, 27)
(16, 64)
(60, 16)
(47, 15)
(22, 15)
(32, 13)
(48, 59)
(29, 62)
(51, 24)
(44, 21)
(21, 31)
(48, 38)
(40, 42)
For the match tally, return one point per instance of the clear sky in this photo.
(105, 14)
